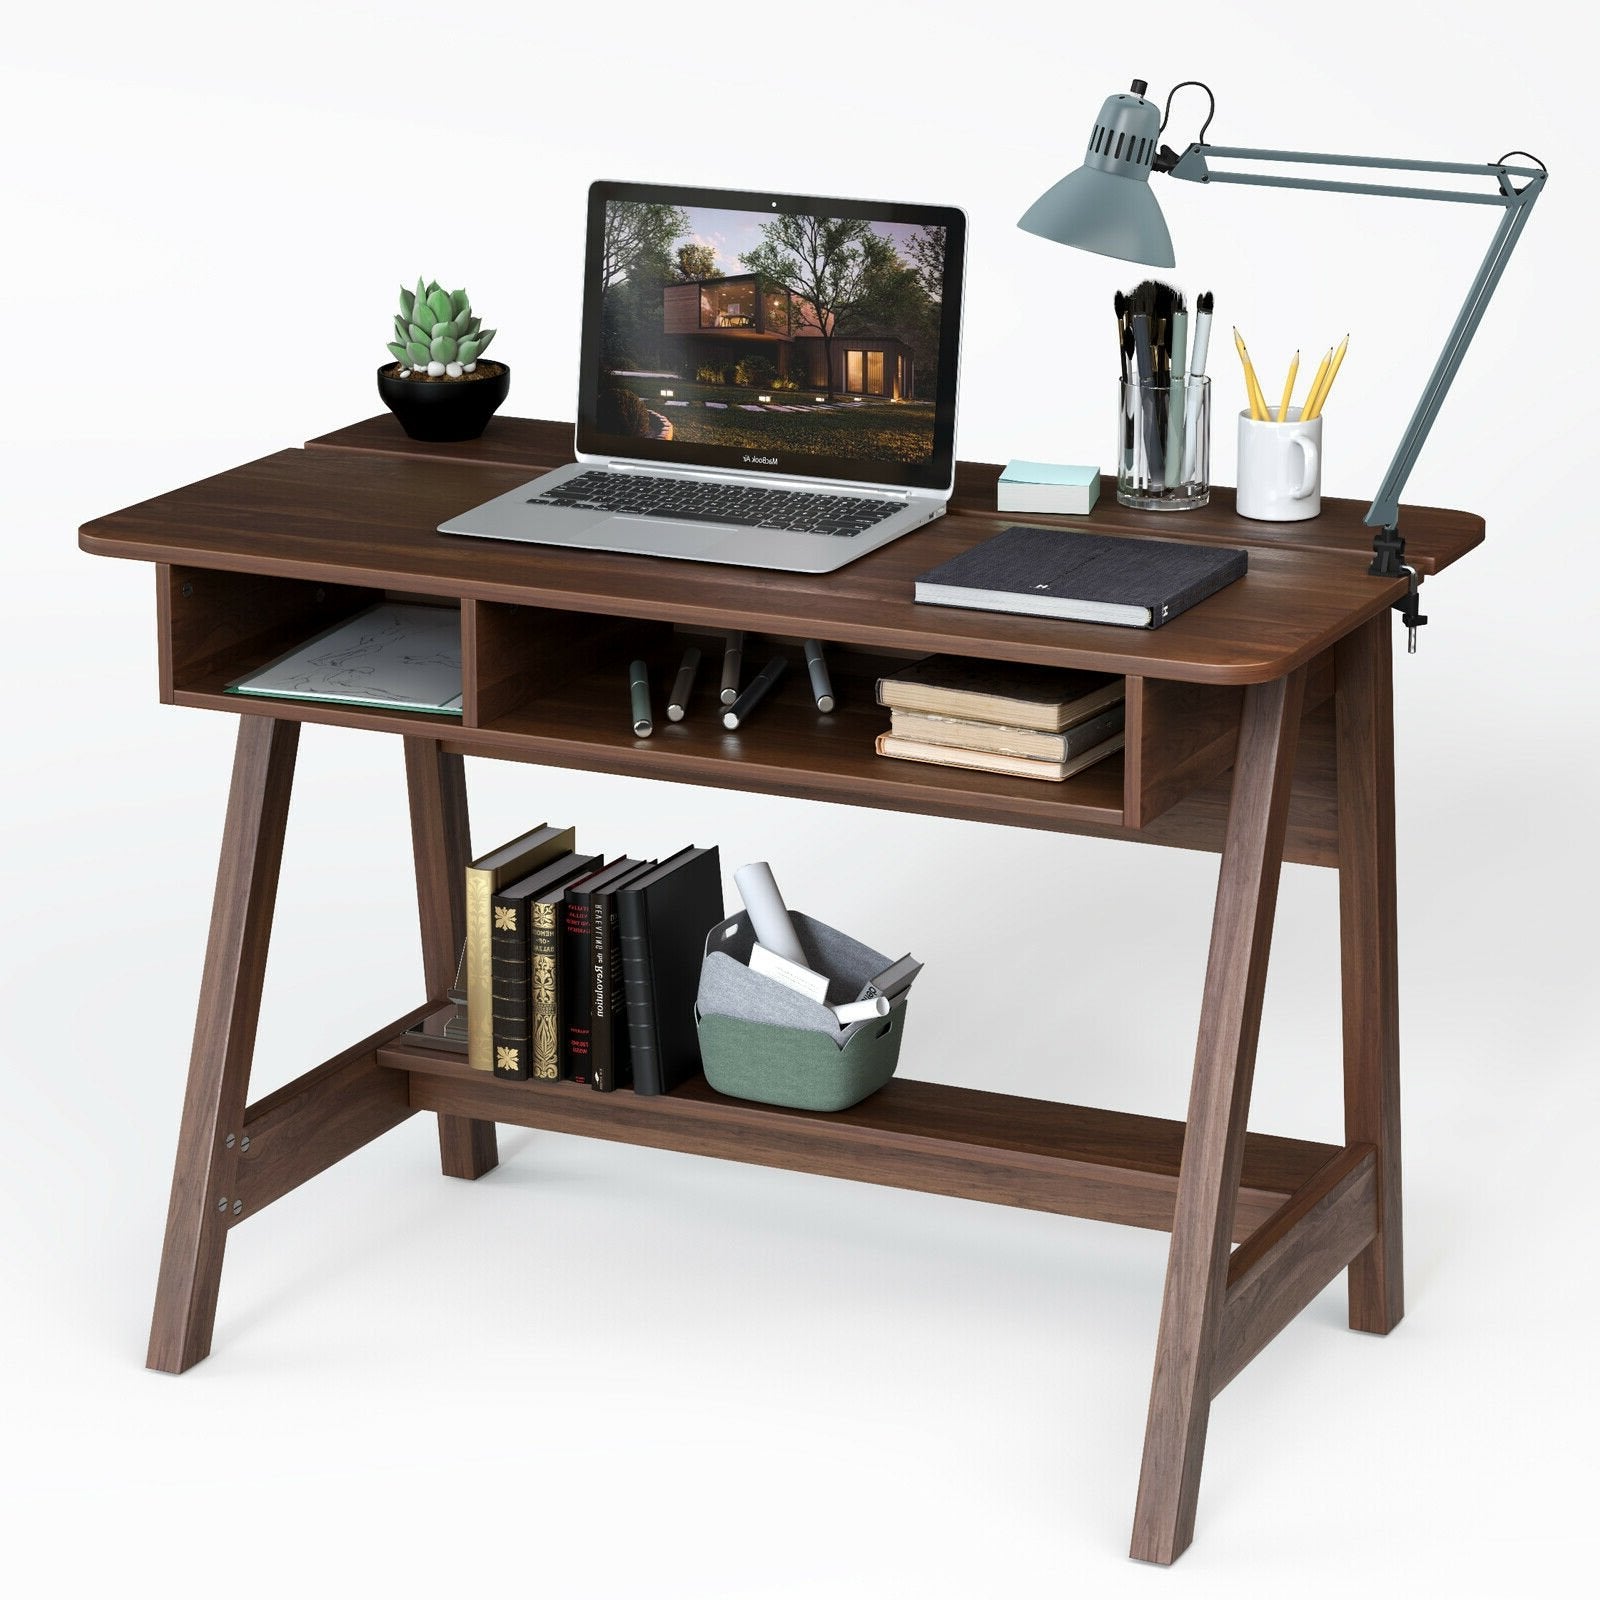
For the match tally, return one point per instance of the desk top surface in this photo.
(361, 506)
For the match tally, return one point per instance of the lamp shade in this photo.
(1106, 205)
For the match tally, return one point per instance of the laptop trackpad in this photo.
(661, 536)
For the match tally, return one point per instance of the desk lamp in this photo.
(1108, 207)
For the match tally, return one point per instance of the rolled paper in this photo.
(769, 916)
(861, 1010)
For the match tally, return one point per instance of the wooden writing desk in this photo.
(1258, 725)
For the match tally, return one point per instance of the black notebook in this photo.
(577, 968)
(664, 919)
(1084, 577)
(610, 1049)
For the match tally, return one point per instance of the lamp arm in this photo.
(1516, 204)
(1385, 509)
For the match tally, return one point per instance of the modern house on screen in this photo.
(719, 322)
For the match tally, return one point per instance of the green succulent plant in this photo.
(436, 327)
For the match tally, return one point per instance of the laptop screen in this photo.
(797, 336)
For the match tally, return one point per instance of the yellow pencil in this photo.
(1319, 388)
(1252, 388)
(1288, 388)
(1258, 405)
(1316, 385)
(1327, 383)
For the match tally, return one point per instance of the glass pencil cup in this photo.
(1164, 445)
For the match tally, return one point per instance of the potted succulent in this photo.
(438, 384)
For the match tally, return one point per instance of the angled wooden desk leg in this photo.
(1364, 711)
(436, 784)
(224, 1041)
(1219, 1104)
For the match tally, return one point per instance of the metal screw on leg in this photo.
(228, 1142)
(238, 1207)
(244, 1143)
(222, 1204)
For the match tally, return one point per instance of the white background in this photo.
(615, 1372)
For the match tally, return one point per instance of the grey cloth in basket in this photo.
(728, 988)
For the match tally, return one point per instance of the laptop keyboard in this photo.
(688, 500)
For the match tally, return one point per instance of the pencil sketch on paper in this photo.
(404, 656)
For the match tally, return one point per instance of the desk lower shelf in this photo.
(1078, 1161)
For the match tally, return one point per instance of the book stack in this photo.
(1028, 722)
(584, 970)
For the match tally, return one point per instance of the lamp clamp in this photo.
(1388, 561)
(1388, 552)
(1407, 606)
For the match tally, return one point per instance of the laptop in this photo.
(766, 381)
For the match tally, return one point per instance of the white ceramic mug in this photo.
(1280, 468)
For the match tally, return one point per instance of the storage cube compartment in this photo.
(215, 627)
(542, 672)
(537, 668)
(553, 686)
(1181, 738)
(1178, 736)
(546, 685)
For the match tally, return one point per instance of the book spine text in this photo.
(575, 960)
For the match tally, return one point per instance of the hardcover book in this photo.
(577, 968)
(1006, 741)
(1051, 699)
(544, 949)
(944, 755)
(485, 877)
(511, 961)
(1083, 577)
(508, 965)
(545, 985)
(610, 1059)
(664, 918)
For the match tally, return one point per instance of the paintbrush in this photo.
(1197, 369)
(1143, 354)
(1160, 304)
(1119, 304)
(1177, 357)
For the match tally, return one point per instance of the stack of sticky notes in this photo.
(1044, 486)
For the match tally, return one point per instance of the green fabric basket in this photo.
(782, 1049)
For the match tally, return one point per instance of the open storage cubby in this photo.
(217, 626)
(1179, 736)
(551, 686)
(557, 682)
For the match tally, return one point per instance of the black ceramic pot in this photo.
(439, 411)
